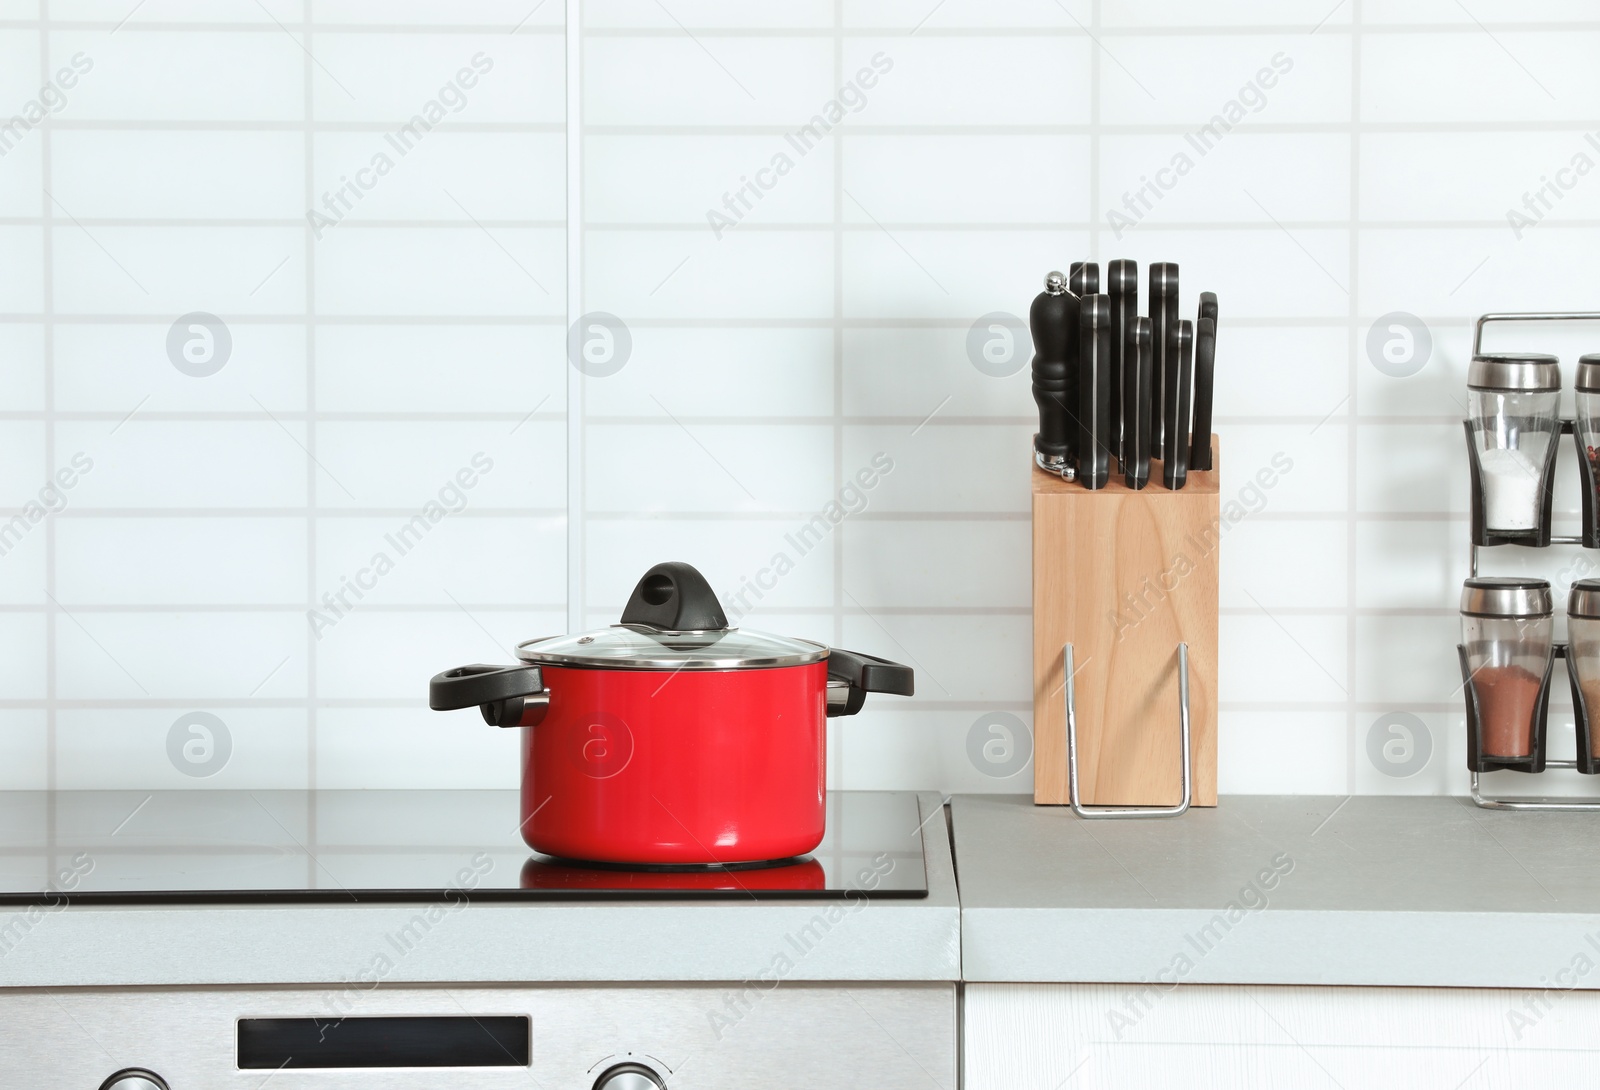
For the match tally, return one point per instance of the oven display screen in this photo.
(274, 1043)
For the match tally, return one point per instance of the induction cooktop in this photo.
(255, 847)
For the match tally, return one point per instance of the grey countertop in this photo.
(1326, 890)
(87, 944)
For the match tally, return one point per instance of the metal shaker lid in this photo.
(1589, 373)
(1584, 601)
(1507, 596)
(1514, 371)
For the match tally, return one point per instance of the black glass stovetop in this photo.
(254, 847)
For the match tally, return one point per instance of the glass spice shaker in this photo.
(1583, 653)
(1508, 628)
(1513, 406)
(1587, 398)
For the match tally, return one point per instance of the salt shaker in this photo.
(1508, 631)
(1587, 398)
(1513, 407)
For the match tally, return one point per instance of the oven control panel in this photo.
(580, 1036)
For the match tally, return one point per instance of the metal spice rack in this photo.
(1541, 537)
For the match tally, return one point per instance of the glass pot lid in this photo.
(673, 621)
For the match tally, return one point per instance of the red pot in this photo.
(671, 738)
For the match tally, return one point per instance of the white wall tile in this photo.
(22, 466)
(170, 271)
(22, 673)
(707, 467)
(470, 560)
(178, 175)
(490, 368)
(188, 656)
(1418, 664)
(128, 749)
(1428, 176)
(1281, 658)
(1153, 180)
(1158, 14)
(1309, 464)
(956, 468)
(467, 270)
(451, 175)
(154, 75)
(25, 736)
(408, 465)
(1166, 80)
(1282, 752)
(475, 78)
(937, 563)
(1293, 564)
(182, 561)
(885, 749)
(909, 372)
(673, 274)
(746, 181)
(170, 11)
(1504, 76)
(410, 748)
(1410, 563)
(1412, 468)
(743, 81)
(1278, 370)
(119, 368)
(982, 179)
(189, 463)
(21, 171)
(21, 250)
(507, 13)
(720, 372)
(710, 14)
(978, 80)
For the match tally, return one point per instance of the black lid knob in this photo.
(675, 597)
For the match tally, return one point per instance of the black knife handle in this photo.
(1208, 309)
(1122, 285)
(1094, 390)
(1163, 330)
(1053, 322)
(1175, 470)
(1136, 407)
(1205, 357)
(1083, 278)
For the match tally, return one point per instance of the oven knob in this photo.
(629, 1077)
(134, 1078)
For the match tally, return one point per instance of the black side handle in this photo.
(500, 692)
(675, 597)
(866, 674)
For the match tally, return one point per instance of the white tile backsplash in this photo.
(785, 327)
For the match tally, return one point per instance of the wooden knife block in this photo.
(1125, 576)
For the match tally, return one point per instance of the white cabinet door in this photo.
(1200, 1037)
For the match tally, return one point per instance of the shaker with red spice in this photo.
(1507, 635)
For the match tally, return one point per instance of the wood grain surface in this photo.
(1125, 576)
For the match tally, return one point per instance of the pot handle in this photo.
(852, 675)
(508, 696)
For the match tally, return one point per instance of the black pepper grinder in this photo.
(1053, 319)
